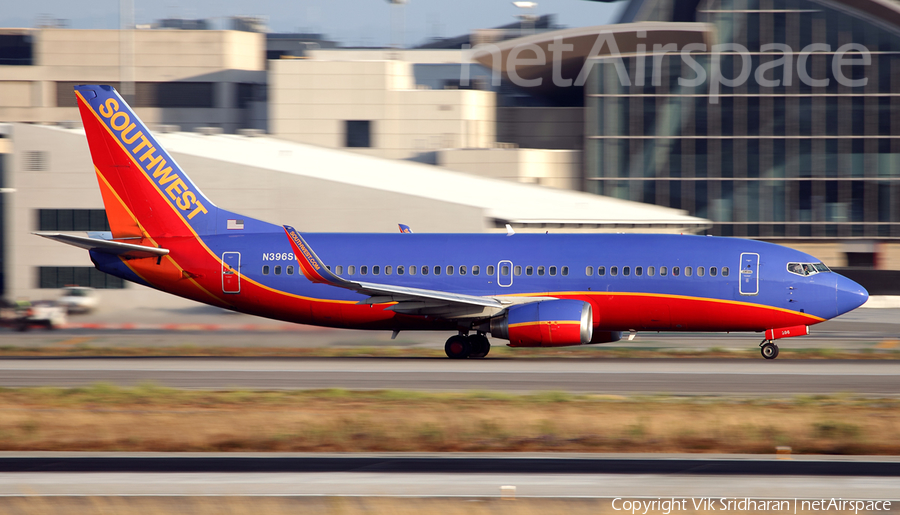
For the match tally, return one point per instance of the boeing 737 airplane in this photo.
(535, 290)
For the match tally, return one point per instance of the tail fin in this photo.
(145, 192)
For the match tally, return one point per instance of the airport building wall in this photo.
(190, 78)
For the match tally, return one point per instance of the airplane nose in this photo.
(850, 295)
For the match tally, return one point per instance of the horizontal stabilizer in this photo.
(109, 246)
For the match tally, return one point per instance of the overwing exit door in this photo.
(749, 273)
(231, 272)
(504, 273)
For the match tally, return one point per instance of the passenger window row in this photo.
(288, 269)
(447, 270)
(663, 271)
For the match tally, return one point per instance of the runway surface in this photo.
(614, 376)
(549, 475)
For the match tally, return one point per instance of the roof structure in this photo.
(522, 205)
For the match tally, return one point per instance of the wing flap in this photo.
(118, 248)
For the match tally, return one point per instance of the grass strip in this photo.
(151, 418)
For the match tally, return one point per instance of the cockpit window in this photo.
(807, 268)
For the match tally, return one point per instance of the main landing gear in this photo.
(462, 346)
(768, 349)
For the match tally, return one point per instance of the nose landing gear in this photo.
(768, 349)
(462, 346)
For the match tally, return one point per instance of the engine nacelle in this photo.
(548, 323)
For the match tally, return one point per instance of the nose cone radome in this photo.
(850, 295)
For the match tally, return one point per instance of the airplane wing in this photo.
(415, 301)
(109, 246)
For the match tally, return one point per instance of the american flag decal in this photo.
(235, 225)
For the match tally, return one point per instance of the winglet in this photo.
(405, 229)
(313, 267)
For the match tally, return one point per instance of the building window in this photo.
(72, 220)
(62, 276)
(35, 161)
(359, 134)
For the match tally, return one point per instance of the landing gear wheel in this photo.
(458, 347)
(769, 350)
(480, 346)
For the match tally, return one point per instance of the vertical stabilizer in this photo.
(145, 192)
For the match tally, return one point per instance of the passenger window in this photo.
(589, 270)
(504, 270)
(290, 270)
(712, 271)
(351, 270)
(376, 270)
(462, 270)
(552, 270)
(663, 270)
(701, 271)
(517, 270)
(400, 270)
(363, 270)
(339, 269)
(688, 271)
(449, 269)
(529, 270)
(540, 270)
(626, 270)
(424, 270)
(388, 270)
(277, 269)
(437, 270)
(565, 270)
(651, 271)
(490, 270)
(601, 270)
(476, 269)
(638, 270)
(613, 270)
(724, 271)
(676, 271)
(266, 270)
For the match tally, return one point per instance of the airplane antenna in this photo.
(509, 230)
